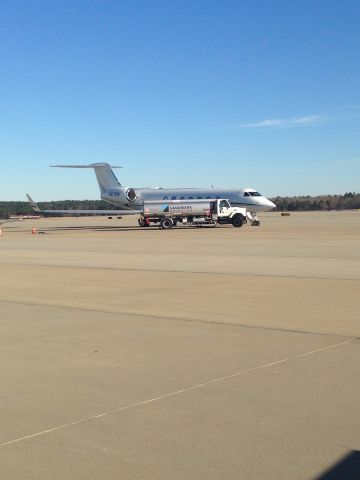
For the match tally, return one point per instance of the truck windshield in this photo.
(224, 204)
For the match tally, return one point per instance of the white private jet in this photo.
(131, 199)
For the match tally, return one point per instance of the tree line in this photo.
(348, 201)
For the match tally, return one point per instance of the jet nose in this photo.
(269, 205)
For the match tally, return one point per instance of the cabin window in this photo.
(165, 198)
(190, 198)
(199, 198)
(173, 198)
(182, 198)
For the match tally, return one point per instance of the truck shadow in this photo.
(93, 228)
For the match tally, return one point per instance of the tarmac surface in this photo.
(210, 353)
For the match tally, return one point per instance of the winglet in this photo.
(34, 206)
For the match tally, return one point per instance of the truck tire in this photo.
(237, 221)
(142, 222)
(166, 223)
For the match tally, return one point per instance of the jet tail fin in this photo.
(105, 176)
(34, 206)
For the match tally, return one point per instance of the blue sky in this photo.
(180, 93)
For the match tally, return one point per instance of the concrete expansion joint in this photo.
(177, 319)
(176, 393)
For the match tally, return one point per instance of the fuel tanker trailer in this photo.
(213, 211)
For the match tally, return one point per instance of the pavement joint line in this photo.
(193, 272)
(246, 255)
(173, 394)
(173, 318)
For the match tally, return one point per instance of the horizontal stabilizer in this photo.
(105, 176)
(91, 165)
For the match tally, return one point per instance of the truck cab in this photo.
(225, 213)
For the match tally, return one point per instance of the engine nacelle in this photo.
(130, 194)
(121, 195)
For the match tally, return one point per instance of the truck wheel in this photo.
(142, 222)
(166, 223)
(237, 221)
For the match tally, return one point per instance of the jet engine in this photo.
(120, 196)
(130, 194)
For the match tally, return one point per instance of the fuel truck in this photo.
(202, 212)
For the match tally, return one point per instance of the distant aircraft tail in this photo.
(34, 206)
(105, 176)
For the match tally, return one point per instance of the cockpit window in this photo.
(252, 194)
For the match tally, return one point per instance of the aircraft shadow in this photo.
(348, 468)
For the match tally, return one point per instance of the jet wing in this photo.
(92, 212)
(37, 209)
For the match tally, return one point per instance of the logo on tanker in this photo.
(176, 208)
